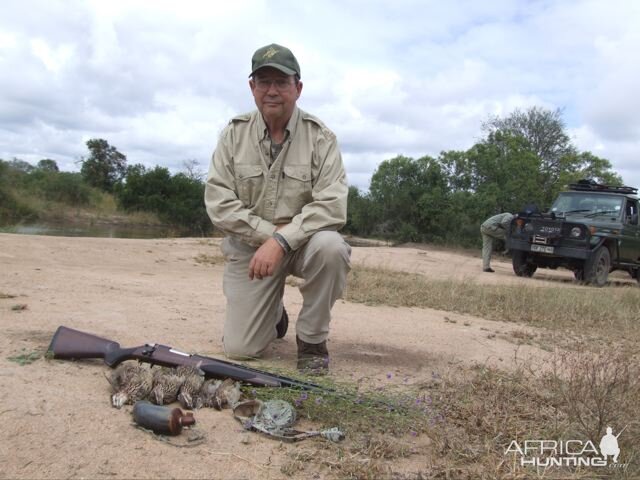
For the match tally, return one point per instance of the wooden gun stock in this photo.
(70, 344)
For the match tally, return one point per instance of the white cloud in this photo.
(53, 59)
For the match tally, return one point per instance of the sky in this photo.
(160, 79)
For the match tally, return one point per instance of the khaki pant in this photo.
(254, 307)
(488, 234)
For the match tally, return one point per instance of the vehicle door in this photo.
(630, 245)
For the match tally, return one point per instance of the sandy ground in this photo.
(56, 417)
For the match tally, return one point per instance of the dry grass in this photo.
(608, 313)
(365, 458)
(460, 426)
(486, 409)
(598, 390)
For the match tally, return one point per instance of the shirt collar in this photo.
(263, 132)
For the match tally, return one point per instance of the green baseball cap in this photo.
(275, 56)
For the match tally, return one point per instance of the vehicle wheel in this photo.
(596, 269)
(521, 266)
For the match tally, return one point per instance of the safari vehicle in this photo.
(591, 229)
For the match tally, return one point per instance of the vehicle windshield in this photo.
(587, 204)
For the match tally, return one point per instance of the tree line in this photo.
(176, 199)
(524, 158)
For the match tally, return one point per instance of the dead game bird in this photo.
(227, 394)
(130, 382)
(208, 393)
(166, 384)
(193, 380)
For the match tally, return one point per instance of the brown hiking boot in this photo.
(313, 358)
(283, 324)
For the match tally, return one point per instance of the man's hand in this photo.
(266, 259)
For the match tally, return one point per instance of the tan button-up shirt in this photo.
(305, 187)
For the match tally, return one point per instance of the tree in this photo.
(395, 190)
(21, 166)
(186, 206)
(411, 196)
(544, 131)
(587, 165)
(48, 165)
(12, 208)
(176, 199)
(105, 166)
(458, 170)
(361, 213)
(145, 190)
(192, 170)
(505, 174)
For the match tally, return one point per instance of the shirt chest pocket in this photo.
(250, 183)
(297, 191)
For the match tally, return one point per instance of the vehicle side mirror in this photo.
(633, 219)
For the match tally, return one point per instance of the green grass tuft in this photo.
(26, 358)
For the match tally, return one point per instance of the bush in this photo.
(11, 209)
(177, 199)
(186, 205)
(64, 187)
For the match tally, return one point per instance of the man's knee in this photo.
(331, 247)
(240, 349)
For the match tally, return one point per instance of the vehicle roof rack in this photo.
(592, 186)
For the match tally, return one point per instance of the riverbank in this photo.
(76, 222)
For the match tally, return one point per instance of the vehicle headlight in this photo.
(528, 227)
(576, 232)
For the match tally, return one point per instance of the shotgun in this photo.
(70, 344)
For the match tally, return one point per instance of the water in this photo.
(101, 230)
